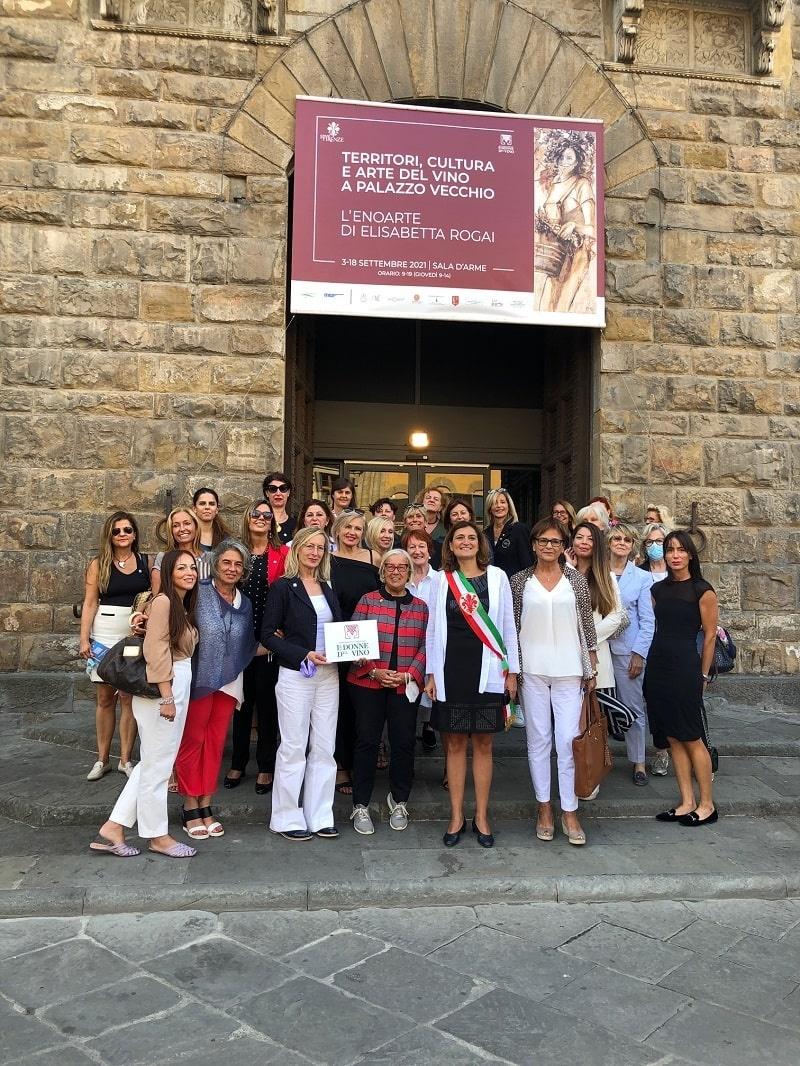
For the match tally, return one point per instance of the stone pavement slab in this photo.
(93, 1013)
(715, 1036)
(765, 917)
(144, 936)
(424, 1045)
(707, 938)
(423, 931)
(340, 949)
(626, 951)
(186, 1032)
(729, 984)
(19, 935)
(57, 972)
(278, 933)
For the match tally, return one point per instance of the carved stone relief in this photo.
(195, 16)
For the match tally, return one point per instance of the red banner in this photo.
(431, 212)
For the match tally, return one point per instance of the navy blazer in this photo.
(289, 609)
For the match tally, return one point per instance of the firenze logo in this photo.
(506, 144)
(351, 630)
(334, 130)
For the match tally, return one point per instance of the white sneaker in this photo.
(125, 767)
(98, 770)
(398, 815)
(518, 718)
(660, 764)
(362, 823)
(592, 795)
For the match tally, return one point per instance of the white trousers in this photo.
(630, 692)
(144, 799)
(307, 712)
(565, 695)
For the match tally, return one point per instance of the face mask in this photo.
(655, 552)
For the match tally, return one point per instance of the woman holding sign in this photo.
(472, 666)
(298, 606)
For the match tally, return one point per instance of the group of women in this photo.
(471, 622)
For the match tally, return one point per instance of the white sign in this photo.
(347, 641)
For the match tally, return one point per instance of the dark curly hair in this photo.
(555, 142)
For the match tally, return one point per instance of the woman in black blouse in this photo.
(509, 539)
(676, 677)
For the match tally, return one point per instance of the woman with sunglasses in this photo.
(277, 488)
(354, 573)
(114, 579)
(629, 649)
(677, 676)
(267, 563)
(558, 660)
(205, 502)
(179, 530)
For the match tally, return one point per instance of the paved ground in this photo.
(625, 984)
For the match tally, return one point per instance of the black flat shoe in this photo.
(451, 839)
(669, 816)
(692, 819)
(233, 782)
(486, 840)
(263, 790)
(330, 832)
(428, 737)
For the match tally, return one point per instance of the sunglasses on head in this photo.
(277, 488)
(120, 529)
(261, 514)
(353, 510)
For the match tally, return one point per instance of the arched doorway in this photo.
(494, 55)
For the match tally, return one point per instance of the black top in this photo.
(512, 549)
(123, 588)
(256, 588)
(290, 610)
(352, 579)
(286, 529)
(677, 611)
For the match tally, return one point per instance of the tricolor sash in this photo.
(477, 616)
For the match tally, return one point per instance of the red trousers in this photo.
(200, 753)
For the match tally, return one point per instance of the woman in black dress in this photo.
(676, 677)
(353, 574)
(466, 680)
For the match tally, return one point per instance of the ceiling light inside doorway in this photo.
(419, 439)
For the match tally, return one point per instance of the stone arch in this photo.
(496, 52)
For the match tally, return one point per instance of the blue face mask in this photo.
(655, 552)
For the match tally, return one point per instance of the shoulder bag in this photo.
(590, 747)
(124, 667)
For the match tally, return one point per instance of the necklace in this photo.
(122, 563)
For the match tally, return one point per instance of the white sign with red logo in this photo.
(349, 641)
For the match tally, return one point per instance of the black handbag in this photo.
(724, 650)
(124, 667)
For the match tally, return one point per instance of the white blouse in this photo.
(324, 614)
(548, 635)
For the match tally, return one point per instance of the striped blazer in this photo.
(412, 624)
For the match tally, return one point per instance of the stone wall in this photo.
(143, 205)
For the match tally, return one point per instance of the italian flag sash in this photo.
(477, 616)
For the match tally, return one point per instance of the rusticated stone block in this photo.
(211, 339)
(33, 206)
(40, 9)
(136, 336)
(34, 139)
(716, 507)
(247, 376)
(107, 212)
(66, 489)
(720, 287)
(257, 341)
(758, 331)
(85, 178)
(142, 490)
(103, 443)
(188, 151)
(166, 303)
(740, 249)
(138, 83)
(679, 285)
(663, 359)
(769, 507)
(122, 404)
(56, 577)
(172, 53)
(15, 488)
(774, 290)
(38, 367)
(255, 261)
(745, 463)
(266, 190)
(784, 428)
(15, 575)
(625, 460)
(684, 246)
(168, 374)
(225, 58)
(789, 334)
(19, 530)
(34, 77)
(142, 255)
(209, 260)
(708, 426)
(628, 323)
(217, 91)
(639, 393)
(787, 252)
(109, 299)
(189, 183)
(756, 397)
(71, 333)
(779, 364)
(637, 283)
(685, 326)
(15, 247)
(45, 438)
(52, 652)
(231, 303)
(782, 191)
(64, 251)
(724, 190)
(20, 43)
(706, 157)
(679, 462)
(158, 115)
(112, 145)
(25, 618)
(692, 394)
(81, 370)
(768, 588)
(246, 448)
(26, 295)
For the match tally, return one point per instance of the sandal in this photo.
(197, 832)
(175, 851)
(108, 847)
(344, 788)
(216, 829)
(173, 784)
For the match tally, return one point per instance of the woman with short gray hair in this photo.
(226, 645)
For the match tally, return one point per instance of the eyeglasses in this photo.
(647, 543)
(262, 515)
(621, 540)
(390, 568)
(353, 510)
(121, 529)
(550, 542)
(277, 488)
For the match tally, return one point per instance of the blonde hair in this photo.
(627, 531)
(491, 497)
(341, 521)
(665, 519)
(323, 570)
(374, 527)
(164, 531)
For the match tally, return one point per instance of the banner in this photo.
(424, 212)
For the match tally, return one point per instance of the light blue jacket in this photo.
(634, 588)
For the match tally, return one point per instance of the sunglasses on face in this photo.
(277, 488)
(121, 529)
(263, 515)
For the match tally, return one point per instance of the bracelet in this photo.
(371, 674)
(708, 677)
(167, 701)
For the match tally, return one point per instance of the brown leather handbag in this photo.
(590, 747)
